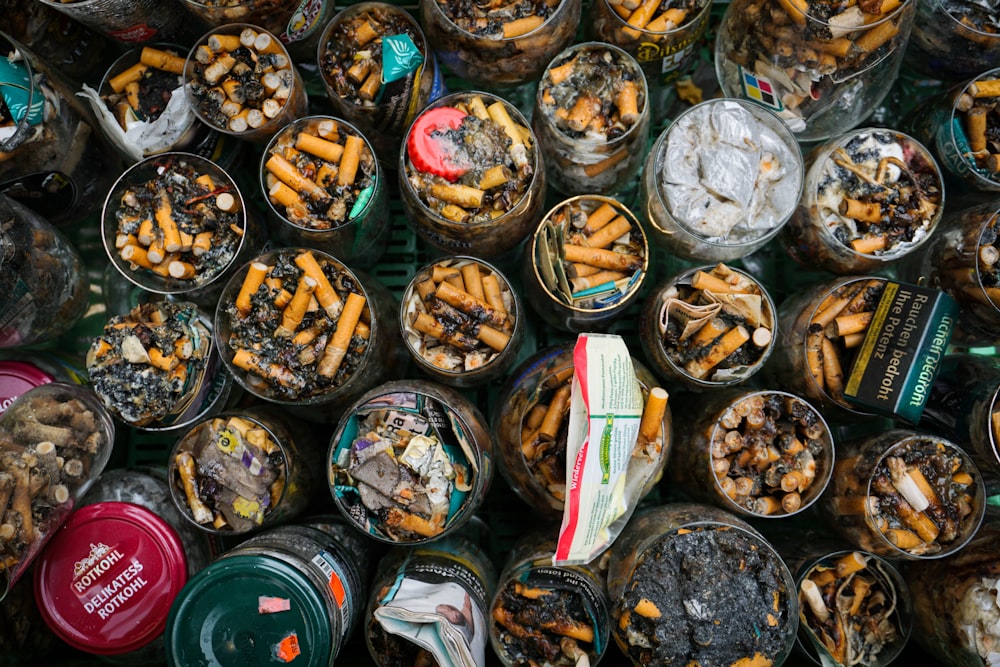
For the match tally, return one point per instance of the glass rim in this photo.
(972, 170)
(701, 15)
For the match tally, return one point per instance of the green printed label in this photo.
(609, 424)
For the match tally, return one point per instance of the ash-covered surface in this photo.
(720, 595)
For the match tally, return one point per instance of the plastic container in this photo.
(708, 327)
(378, 71)
(585, 264)
(901, 494)
(842, 226)
(849, 60)
(293, 592)
(720, 181)
(449, 200)
(243, 470)
(450, 584)
(664, 42)
(588, 150)
(316, 200)
(499, 53)
(691, 582)
(177, 224)
(462, 322)
(45, 423)
(211, 73)
(410, 462)
(321, 361)
(536, 469)
(113, 599)
(953, 39)
(540, 609)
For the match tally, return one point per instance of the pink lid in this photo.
(105, 582)
(17, 377)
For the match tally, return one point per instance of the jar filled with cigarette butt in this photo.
(410, 462)
(141, 107)
(471, 176)
(125, 554)
(430, 606)
(954, 39)
(662, 35)
(586, 263)
(293, 592)
(963, 260)
(297, 24)
(156, 367)
(693, 583)
(532, 424)
(871, 197)
(902, 494)
(964, 406)
(546, 614)
(326, 190)
(311, 359)
(43, 284)
(378, 70)
(242, 471)
(708, 327)
(955, 600)
(721, 180)
(822, 67)
(758, 453)
(54, 442)
(822, 328)
(462, 323)
(499, 46)
(176, 224)
(241, 81)
(129, 21)
(591, 117)
(53, 161)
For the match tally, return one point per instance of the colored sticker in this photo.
(270, 605)
(759, 89)
(288, 648)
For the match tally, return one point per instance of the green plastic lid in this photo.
(249, 610)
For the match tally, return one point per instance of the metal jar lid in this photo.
(249, 609)
(17, 377)
(106, 581)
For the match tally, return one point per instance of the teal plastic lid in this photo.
(249, 610)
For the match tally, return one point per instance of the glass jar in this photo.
(691, 582)
(321, 360)
(708, 327)
(842, 226)
(901, 494)
(588, 150)
(125, 554)
(546, 614)
(480, 202)
(757, 453)
(720, 181)
(576, 283)
(244, 470)
(43, 283)
(954, 39)
(292, 592)
(129, 21)
(177, 224)
(45, 424)
(325, 190)
(822, 68)
(378, 71)
(410, 462)
(462, 323)
(217, 94)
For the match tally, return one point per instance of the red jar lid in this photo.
(105, 582)
(17, 377)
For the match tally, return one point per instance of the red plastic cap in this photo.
(17, 377)
(105, 582)
(427, 150)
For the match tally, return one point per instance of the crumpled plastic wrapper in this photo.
(144, 138)
(727, 176)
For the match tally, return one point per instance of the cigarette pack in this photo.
(899, 358)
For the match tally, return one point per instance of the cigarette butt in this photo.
(365, 32)
(181, 270)
(796, 10)
(464, 196)
(473, 281)
(762, 337)
(850, 563)
(651, 424)
(493, 295)
(710, 283)
(854, 323)
(560, 73)
(583, 112)
(478, 108)
(454, 213)
(494, 338)
(161, 60)
(130, 75)
(469, 304)
(132, 94)
(372, 84)
(186, 471)
(397, 518)
(598, 168)
(218, 68)
(223, 43)
(628, 102)
(251, 282)
(336, 350)
(859, 210)
(136, 255)
(605, 259)
(554, 415)
(853, 340)
(643, 14)
(494, 177)
(350, 159)
(292, 316)
(647, 609)
(791, 502)
(324, 292)
(869, 244)
(498, 112)
(975, 127)
(264, 43)
(985, 88)
(668, 20)
(428, 325)
(833, 374)
(321, 148)
(605, 236)
(766, 505)
(876, 37)
(601, 216)
(165, 362)
(286, 172)
(522, 26)
(722, 348)
(581, 283)
(168, 226)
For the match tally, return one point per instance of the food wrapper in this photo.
(605, 409)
